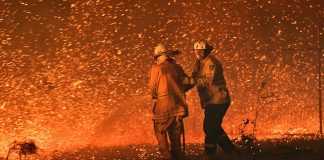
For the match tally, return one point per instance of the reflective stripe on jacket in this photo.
(167, 88)
(211, 83)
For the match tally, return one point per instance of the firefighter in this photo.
(214, 98)
(169, 102)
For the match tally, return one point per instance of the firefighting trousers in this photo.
(171, 129)
(214, 132)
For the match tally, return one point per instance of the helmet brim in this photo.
(209, 48)
(167, 52)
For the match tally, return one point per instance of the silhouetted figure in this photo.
(169, 102)
(214, 98)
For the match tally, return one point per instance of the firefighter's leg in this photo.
(161, 136)
(226, 143)
(175, 131)
(210, 129)
(223, 140)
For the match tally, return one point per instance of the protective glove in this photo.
(189, 81)
(179, 118)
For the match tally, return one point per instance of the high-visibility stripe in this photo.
(151, 87)
(170, 93)
(169, 114)
(210, 145)
(220, 85)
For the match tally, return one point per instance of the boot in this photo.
(166, 156)
(210, 153)
(227, 145)
(210, 156)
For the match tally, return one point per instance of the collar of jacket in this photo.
(205, 59)
(161, 59)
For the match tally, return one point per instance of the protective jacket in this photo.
(210, 81)
(168, 91)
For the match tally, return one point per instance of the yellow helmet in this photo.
(159, 50)
(202, 44)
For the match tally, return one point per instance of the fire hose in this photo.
(183, 141)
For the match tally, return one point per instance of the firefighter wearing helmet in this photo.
(214, 98)
(169, 102)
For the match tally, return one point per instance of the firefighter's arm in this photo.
(191, 81)
(206, 79)
(188, 83)
(153, 74)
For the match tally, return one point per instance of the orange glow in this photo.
(74, 73)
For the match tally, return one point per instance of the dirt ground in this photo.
(283, 149)
(278, 149)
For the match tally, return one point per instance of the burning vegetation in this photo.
(22, 149)
(73, 73)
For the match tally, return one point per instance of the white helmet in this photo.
(202, 44)
(159, 50)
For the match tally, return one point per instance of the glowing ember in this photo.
(73, 73)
